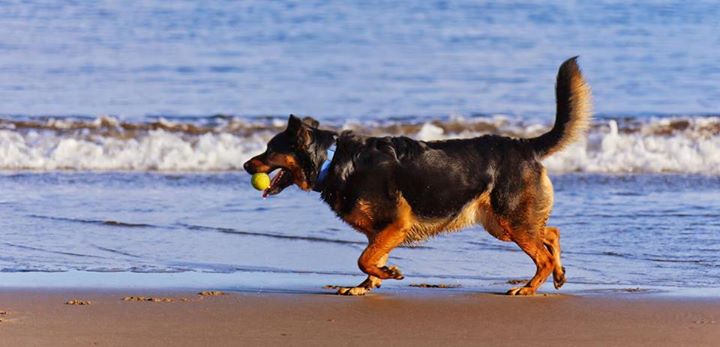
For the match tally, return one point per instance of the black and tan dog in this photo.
(396, 190)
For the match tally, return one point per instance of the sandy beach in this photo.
(429, 317)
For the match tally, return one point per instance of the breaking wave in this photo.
(222, 143)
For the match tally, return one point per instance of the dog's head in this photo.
(297, 152)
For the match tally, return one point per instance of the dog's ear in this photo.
(311, 122)
(301, 130)
(294, 123)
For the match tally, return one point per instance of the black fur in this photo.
(436, 178)
(395, 189)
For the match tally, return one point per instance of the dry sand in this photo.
(440, 317)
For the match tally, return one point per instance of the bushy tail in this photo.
(574, 111)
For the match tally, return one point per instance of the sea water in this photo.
(125, 126)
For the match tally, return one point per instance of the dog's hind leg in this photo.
(534, 246)
(551, 239)
(524, 221)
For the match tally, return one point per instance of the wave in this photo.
(679, 144)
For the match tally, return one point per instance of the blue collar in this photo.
(325, 167)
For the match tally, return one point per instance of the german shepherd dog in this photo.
(397, 190)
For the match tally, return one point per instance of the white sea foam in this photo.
(679, 145)
(609, 150)
(157, 150)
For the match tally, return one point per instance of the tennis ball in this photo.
(260, 181)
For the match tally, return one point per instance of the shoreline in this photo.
(265, 282)
(417, 317)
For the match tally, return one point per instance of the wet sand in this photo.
(430, 317)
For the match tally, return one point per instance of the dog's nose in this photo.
(249, 167)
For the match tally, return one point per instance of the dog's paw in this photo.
(371, 282)
(521, 291)
(559, 279)
(392, 272)
(353, 291)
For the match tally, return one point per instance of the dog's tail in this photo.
(573, 113)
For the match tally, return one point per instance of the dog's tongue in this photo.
(273, 183)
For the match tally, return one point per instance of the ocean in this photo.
(124, 126)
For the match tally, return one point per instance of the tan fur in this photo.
(495, 226)
(581, 113)
(361, 217)
(548, 196)
(526, 228)
(544, 262)
(260, 165)
(289, 162)
(551, 239)
(382, 243)
(370, 283)
(528, 231)
(537, 200)
(477, 211)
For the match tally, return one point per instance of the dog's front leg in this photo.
(374, 258)
(370, 283)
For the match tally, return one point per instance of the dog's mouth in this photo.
(282, 179)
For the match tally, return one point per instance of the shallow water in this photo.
(630, 231)
(155, 193)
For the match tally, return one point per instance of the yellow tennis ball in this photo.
(260, 181)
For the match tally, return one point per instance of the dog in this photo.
(397, 190)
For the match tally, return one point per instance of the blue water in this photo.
(353, 58)
(115, 206)
(647, 232)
